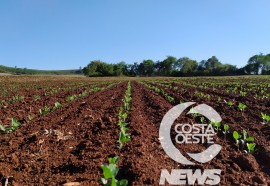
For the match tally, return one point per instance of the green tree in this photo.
(119, 68)
(266, 64)
(98, 68)
(186, 66)
(212, 64)
(255, 64)
(167, 65)
(146, 68)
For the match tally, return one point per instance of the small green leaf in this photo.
(226, 127)
(244, 134)
(106, 172)
(122, 183)
(217, 124)
(103, 181)
(236, 135)
(251, 147)
(113, 160)
(250, 139)
(2, 128)
(114, 182)
(113, 169)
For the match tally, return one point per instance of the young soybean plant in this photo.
(225, 130)
(251, 147)
(57, 105)
(265, 117)
(246, 138)
(110, 172)
(230, 103)
(236, 136)
(242, 107)
(217, 125)
(14, 125)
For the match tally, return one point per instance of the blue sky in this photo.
(67, 34)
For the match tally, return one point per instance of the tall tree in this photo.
(187, 66)
(212, 63)
(119, 68)
(255, 64)
(147, 67)
(167, 65)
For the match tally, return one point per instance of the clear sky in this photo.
(67, 34)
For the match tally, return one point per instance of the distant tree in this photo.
(226, 69)
(266, 64)
(133, 70)
(258, 64)
(158, 68)
(186, 66)
(119, 68)
(255, 64)
(167, 65)
(98, 68)
(212, 64)
(146, 68)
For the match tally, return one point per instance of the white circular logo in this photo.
(165, 135)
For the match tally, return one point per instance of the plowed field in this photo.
(68, 127)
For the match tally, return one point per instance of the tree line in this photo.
(25, 71)
(171, 66)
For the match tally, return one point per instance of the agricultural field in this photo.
(64, 130)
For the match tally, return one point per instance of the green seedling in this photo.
(123, 116)
(236, 136)
(225, 130)
(123, 136)
(110, 172)
(45, 111)
(170, 99)
(242, 107)
(2, 128)
(14, 125)
(36, 97)
(243, 93)
(246, 138)
(71, 98)
(194, 113)
(30, 118)
(216, 125)
(265, 117)
(57, 105)
(230, 103)
(202, 119)
(251, 147)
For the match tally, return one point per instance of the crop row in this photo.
(231, 104)
(57, 105)
(110, 171)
